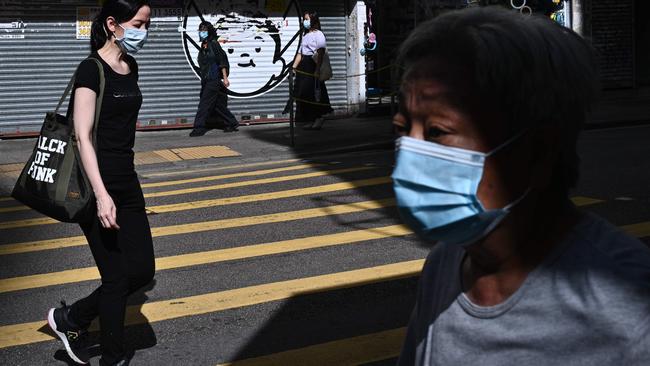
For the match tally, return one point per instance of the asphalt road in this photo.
(281, 262)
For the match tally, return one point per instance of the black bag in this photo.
(53, 181)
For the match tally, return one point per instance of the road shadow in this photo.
(331, 315)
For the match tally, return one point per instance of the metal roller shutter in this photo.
(39, 51)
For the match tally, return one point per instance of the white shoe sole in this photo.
(64, 339)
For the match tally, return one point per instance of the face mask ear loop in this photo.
(512, 204)
(507, 142)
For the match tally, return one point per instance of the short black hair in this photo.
(530, 69)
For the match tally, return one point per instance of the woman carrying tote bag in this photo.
(119, 235)
(309, 85)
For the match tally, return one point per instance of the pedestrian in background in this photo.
(492, 108)
(214, 70)
(119, 236)
(308, 86)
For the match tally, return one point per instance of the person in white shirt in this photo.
(312, 100)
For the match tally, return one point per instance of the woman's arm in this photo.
(84, 117)
(297, 60)
(224, 73)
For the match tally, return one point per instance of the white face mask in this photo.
(133, 39)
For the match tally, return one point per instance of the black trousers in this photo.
(213, 99)
(125, 260)
(305, 88)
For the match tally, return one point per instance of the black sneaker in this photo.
(74, 338)
(231, 129)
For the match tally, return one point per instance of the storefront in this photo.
(41, 42)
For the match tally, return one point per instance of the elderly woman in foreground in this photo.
(493, 102)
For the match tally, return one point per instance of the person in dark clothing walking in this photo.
(315, 100)
(119, 236)
(214, 69)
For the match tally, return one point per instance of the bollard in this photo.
(291, 117)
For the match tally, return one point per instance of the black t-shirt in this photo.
(118, 116)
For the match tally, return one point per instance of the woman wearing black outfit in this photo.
(214, 69)
(119, 236)
(308, 85)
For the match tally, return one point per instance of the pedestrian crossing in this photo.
(287, 223)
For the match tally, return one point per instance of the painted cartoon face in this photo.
(259, 46)
(253, 52)
(245, 54)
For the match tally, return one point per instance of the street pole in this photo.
(291, 118)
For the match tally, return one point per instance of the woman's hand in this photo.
(226, 82)
(106, 212)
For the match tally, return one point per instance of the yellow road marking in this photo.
(639, 230)
(579, 201)
(184, 206)
(585, 201)
(212, 256)
(213, 187)
(344, 352)
(27, 333)
(191, 171)
(227, 176)
(14, 208)
(72, 241)
(254, 182)
(3, 199)
(193, 205)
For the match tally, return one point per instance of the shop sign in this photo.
(85, 16)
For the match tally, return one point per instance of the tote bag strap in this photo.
(100, 98)
(69, 159)
(98, 101)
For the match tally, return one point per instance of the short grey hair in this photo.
(530, 69)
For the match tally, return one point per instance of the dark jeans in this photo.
(125, 260)
(304, 89)
(213, 99)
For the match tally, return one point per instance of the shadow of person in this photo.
(292, 334)
(139, 334)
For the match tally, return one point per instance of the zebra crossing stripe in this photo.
(253, 173)
(219, 168)
(212, 256)
(196, 180)
(254, 182)
(191, 205)
(203, 226)
(27, 333)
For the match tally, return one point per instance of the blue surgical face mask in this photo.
(133, 39)
(306, 23)
(436, 190)
(203, 35)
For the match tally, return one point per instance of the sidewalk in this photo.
(161, 150)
